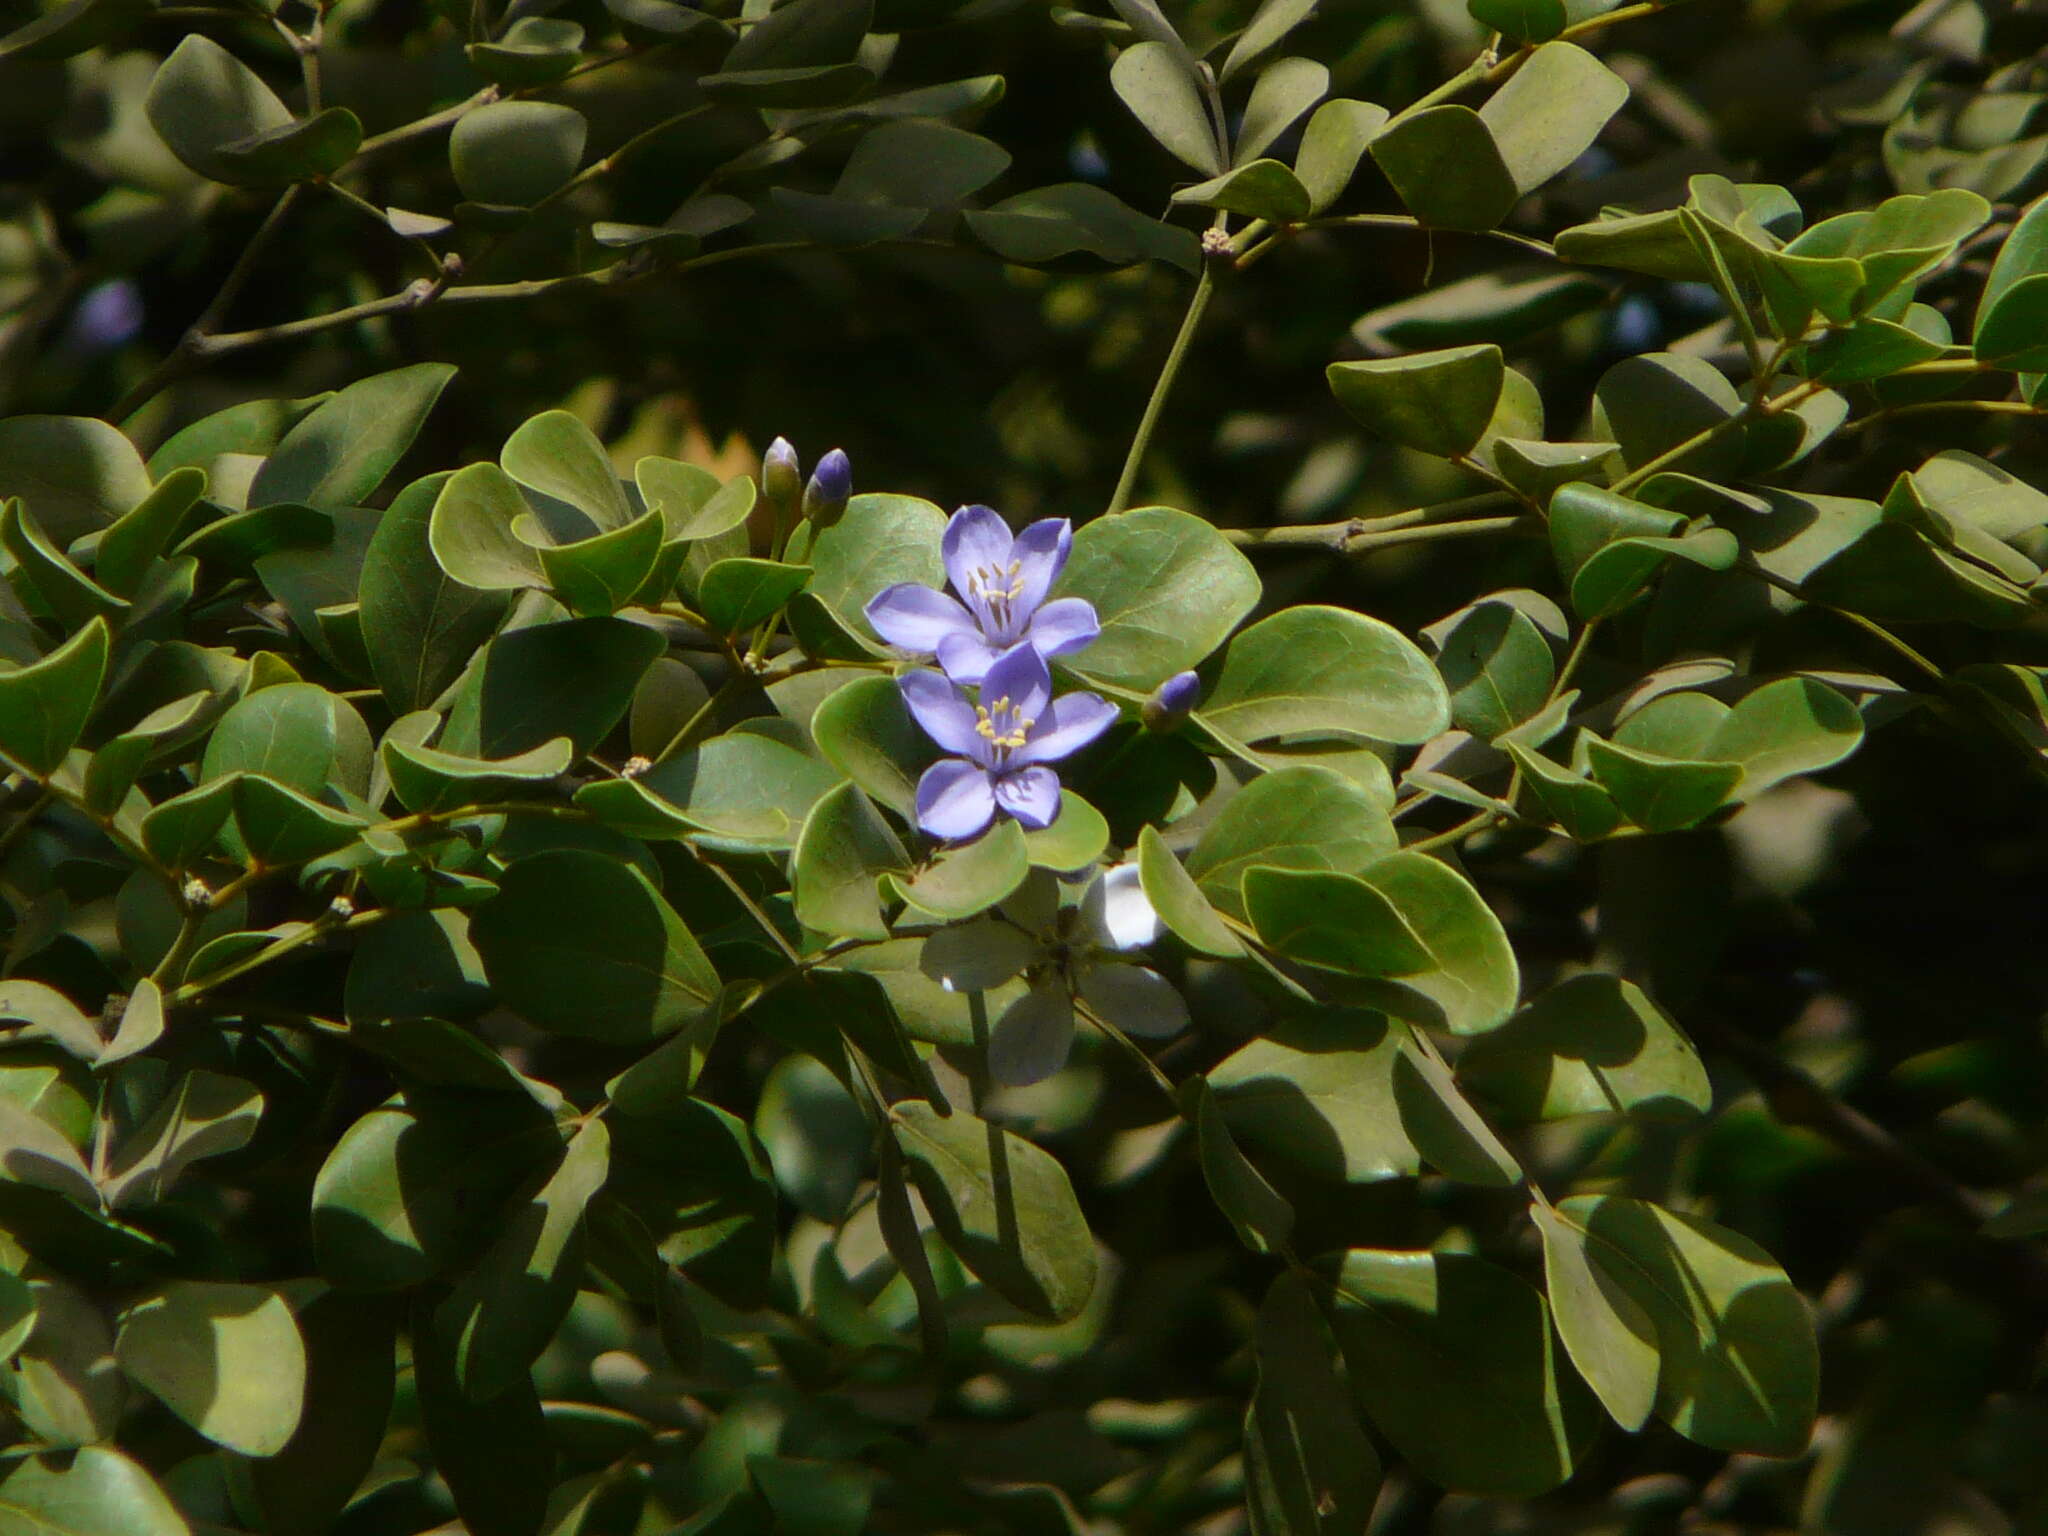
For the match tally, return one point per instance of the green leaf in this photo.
(1317, 1092)
(414, 1187)
(67, 30)
(1167, 588)
(97, 1492)
(280, 826)
(1273, 20)
(204, 98)
(1332, 921)
(1499, 306)
(1261, 189)
(1739, 1367)
(296, 733)
(514, 153)
(1157, 86)
(339, 454)
(502, 1314)
(919, 163)
(971, 878)
(420, 628)
(574, 679)
(74, 597)
(691, 500)
(1472, 982)
(1451, 1135)
(1498, 667)
(1784, 729)
(600, 575)
(1004, 1206)
(1047, 223)
(470, 531)
(1310, 1469)
(1448, 169)
(182, 831)
(1608, 1336)
(44, 707)
(555, 454)
(206, 1115)
(1292, 818)
(844, 845)
(1550, 112)
(2012, 314)
(803, 33)
(1657, 401)
(17, 1315)
(1179, 900)
(1261, 1217)
(139, 535)
(580, 945)
(1325, 671)
(1073, 841)
(865, 732)
(811, 85)
(1592, 1044)
(534, 50)
(64, 1383)
(1659, 794)
(1519, 22)
(1453, 1359)
(76, 473)
(1332, 144)
(1435, 402)
(738, 594)
(226, 1359)
(496, 1455)
(236, 542)
(877, 542)
(748, 790)
(1285, 89)
(818, 1137)
(307, 150)
(427, 780)
(350, 1374)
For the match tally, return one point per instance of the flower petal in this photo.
(1068, 724)
(1136, 1000)
(1114, 911)
(1063, 625)
(1041, 553)
(1032, 795)
(946, 717)
(918, 618)
(965, 656)
(1031, 1040)
(973, 956)
(976, 538)
(955, 799)
(1020, 676)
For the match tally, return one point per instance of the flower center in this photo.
(998, 587)
(1002, 725)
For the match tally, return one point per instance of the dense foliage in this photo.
(1433, 925)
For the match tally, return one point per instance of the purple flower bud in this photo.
(1172, 702)
(781, 481)
(830, 485)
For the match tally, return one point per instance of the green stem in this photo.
(1161, 388)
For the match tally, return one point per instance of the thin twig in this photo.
(1161, 387)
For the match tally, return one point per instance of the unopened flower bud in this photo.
(1172, 702)
(197, 893)
(782, 482)
(342, 907)
(830, 485)
(635, 766)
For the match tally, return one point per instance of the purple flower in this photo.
(1003, 581)
(1172, 702)
(1003, 743)
(831, 484)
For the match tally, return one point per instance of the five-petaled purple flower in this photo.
(1003, 743)
(1003, 580)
